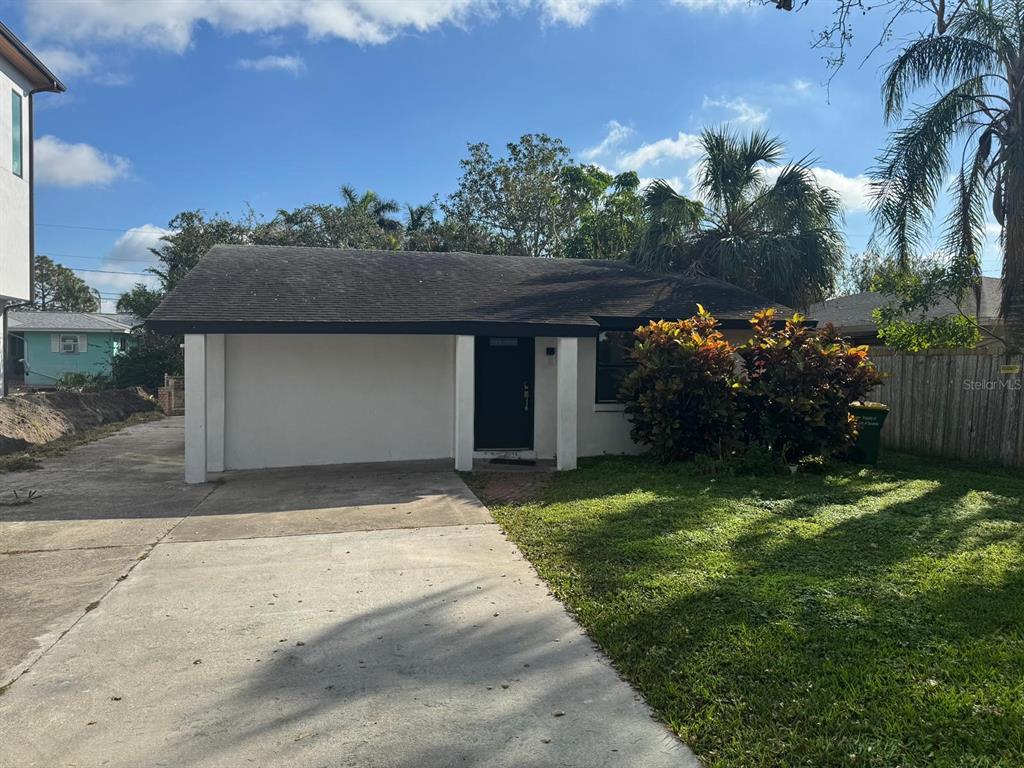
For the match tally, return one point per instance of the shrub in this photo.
(79, 381)
(144, 363)
(799, 383)
(680, 397)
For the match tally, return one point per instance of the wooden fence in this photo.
(965, 405)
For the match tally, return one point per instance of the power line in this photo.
(110, 272)
(94, 229)
(90, 258)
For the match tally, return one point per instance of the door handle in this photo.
(526, 397)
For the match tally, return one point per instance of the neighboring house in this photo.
(46, 345)
(22, 76)
(298, 356)
(852, 314)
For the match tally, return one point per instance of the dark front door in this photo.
(503, 419)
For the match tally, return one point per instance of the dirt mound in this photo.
(33, 419)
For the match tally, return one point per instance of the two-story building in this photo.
(22, 75)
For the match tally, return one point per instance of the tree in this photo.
(58, 288)
(672, 223)
(140, 301)
(373, 205)
(977, 64)
(146, 361)
(611, 213)
(325, 225)
(905, 321)
(517, 202)
(837, 36)
(763, 225)
(192, 235)
(858, 273)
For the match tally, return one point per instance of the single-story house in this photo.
(46, 345)
(851, 315)
(299, 356)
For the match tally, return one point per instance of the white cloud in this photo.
(801, 86)
(677, 183)
(134, 245)
(294, 65)
(853, 191)
(67, 63)
(572, 12)
(685, 146)
(61, 164)
(743, 113)
(170, 24)
(993, 230)
(617, 133)
(129, 254)
(708, 5)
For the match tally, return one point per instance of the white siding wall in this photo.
(14, 192)
(294, 400)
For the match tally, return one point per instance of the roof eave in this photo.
(177, 327)
(26, 62)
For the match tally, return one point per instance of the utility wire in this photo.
(90, 258)
(110, 272)
(94, 229)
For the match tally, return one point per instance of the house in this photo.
(22, 76)
(852, 314)
(45, 345)
(299, 356)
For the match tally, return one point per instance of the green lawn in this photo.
(864, 617)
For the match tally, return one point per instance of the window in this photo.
(69, 345)
(614, 361)
(16, 134)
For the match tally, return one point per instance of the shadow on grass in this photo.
(862, 617)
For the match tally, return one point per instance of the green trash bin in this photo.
(870, 418)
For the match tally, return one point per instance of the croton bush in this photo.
(787, 390)
(680, 396)
(799, 384)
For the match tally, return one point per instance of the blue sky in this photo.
(214, 104)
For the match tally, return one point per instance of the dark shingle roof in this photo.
(291, 289)
(855, 311)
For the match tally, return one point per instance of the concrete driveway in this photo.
(363, 616)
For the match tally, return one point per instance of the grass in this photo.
(31, 459)
(861, 617)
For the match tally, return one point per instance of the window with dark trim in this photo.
(16, 134)
(614, 361)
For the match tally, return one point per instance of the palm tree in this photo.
(420, 226)
(374, 205)
(418, 217)
(762, 225)
(978, 66)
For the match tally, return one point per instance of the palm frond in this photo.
(941, 59)
(911, 171)
(732, 165)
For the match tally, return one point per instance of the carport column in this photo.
(215, 402)
(464, 353)
(195, 408)
(566, 373)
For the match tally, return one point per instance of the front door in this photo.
(503, 419)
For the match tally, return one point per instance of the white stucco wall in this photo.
(295, 400)
(600, 428)
(14, 192)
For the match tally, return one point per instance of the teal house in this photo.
(46, 345)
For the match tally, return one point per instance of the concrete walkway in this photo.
(322, 617)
